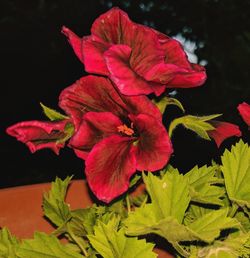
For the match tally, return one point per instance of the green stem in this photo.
(144, 201)
(180, 250)
(128, 203)
(73, 236)
(233, 210)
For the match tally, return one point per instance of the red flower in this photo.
(116, 134)
(139, 60)
(40, 135)
(222, 131)
(244, 110)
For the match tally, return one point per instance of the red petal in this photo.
(94, 127)
(142, 105)
(39, 135)
(116, 28)
(93, 49)
(163, 73)
(109, 167)
(244, 110)
(191, 78)
(146, 50)
(177, 77)
(92, 93)
(112, 26)
(175, 54)
(126, 79)
(154, 147)
(74, 41)
(223, 130)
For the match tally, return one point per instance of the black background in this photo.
(37, 63)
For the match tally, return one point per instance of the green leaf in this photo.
(194, 212)
(232, 247)
(68, 130)
(236, 171)
(201, 182)
(8, 244)
(111, 242)
(169, 195)
(165, 101)
(83, 221)
(52, 114)
(198, 124)
(209, 226)
(45, 246)
(134, 180)
(54, 206)
(143, 221)
(243, 219)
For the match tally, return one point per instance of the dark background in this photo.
(37, 63)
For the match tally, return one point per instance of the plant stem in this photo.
(144, 201)
(73, 236)
(180, 250)
(128, 203)
(233, 210)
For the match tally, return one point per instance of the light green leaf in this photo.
(194, 212)
(83, 221)
(165, 101)
(143, 221)
(236, 171)
(201, 182)
(243, 219)
(45, 246)
(8, 244)
(169, 195)
(134, 180)
(232, 247)
(68, 130)
(52, 114)
(54, 206)
(110, 242)
(209, 226)
(198, 124)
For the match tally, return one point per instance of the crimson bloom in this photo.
(222, 131)
(244, 110)
(138, 59)
(39, 135)
(116, 134)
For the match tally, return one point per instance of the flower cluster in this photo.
(110, 122)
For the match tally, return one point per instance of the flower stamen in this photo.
(125, 129)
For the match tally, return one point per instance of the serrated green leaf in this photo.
(45, 246)
(169, 195)
(165, 101)
(209, 226)
(54, 206)
(143, 221)
(83, 221)
(111, 242)
(8, 244)
(198, 124)
(243, 219)
(236, 171)
(52, 114)
(194, 212)
(232, 247)
(201, 182)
